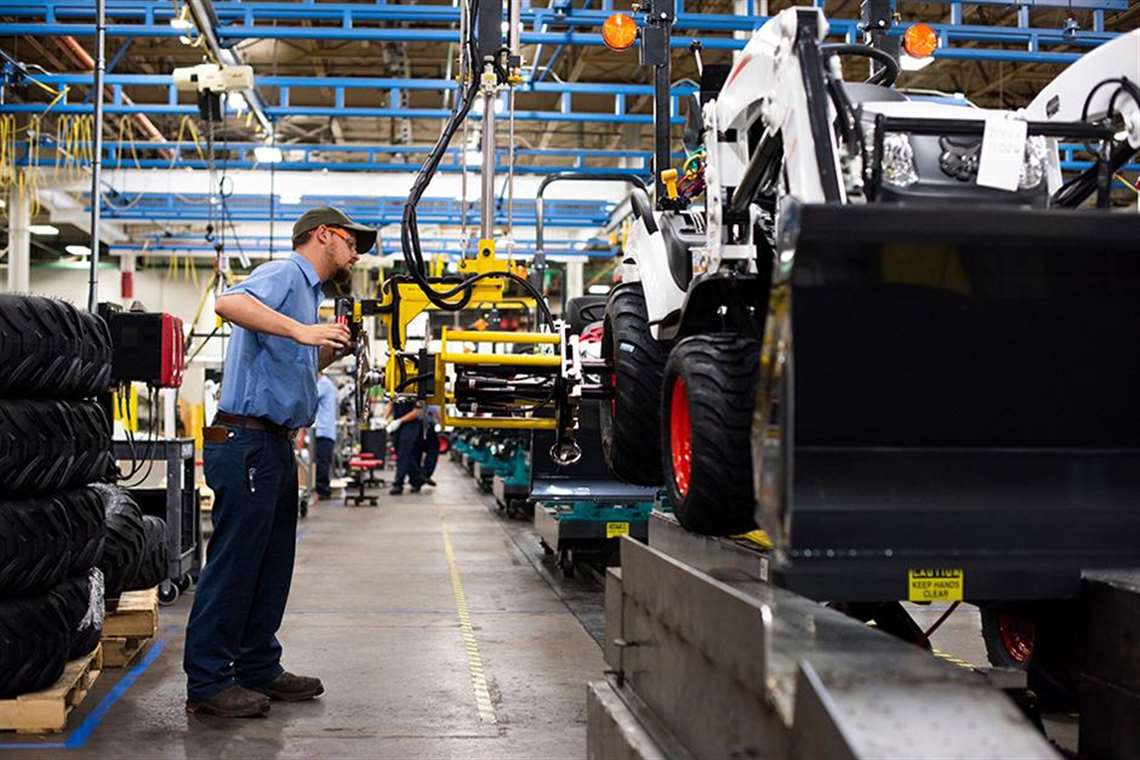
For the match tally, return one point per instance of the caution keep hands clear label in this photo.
(935, 585)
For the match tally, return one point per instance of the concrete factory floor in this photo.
(439, 629)
(378, 610)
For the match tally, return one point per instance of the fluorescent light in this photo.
(43, 229)
(290, 197)
(78, 250)
(268, 154)
(598, 290)
(910, 63)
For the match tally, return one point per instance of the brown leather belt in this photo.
(225, 419)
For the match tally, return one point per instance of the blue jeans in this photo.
(428, 452)
(325, 448)
(408, 455)
(232, 633)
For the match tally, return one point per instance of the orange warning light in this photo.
(619, 32)
(920, 40)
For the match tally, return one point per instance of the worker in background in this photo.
(325, 432)
(429, 443)
(269, 390)
(407, 430)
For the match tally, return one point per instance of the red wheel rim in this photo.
(1017, 636)
(613, 394)
(681, 437)
(444, 445)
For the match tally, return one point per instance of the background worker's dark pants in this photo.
(242, 591)
(325, 448)
(428, 452)
(407, 455)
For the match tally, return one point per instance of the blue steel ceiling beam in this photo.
(172, 207)
(349, 14)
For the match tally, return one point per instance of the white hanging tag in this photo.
(1003, 153)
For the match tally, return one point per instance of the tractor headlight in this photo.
(898, 160)
(1033, 167)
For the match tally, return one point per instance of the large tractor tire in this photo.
(82, 599)
(583, 311)
(35, 545)
(49, 348)
(631, 421)
(152, 568)
(35, 638)
(46, 446)
(706, 412)
(126, 540)
(88, 527)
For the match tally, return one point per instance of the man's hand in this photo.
(394, 425)
(325, 335)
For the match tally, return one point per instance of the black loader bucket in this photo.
(964, 394)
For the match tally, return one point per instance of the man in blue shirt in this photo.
(269, 389)
(325, 433)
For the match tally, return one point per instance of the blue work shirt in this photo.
(326, 409)
(265, 375)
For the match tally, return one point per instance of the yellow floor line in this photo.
(951, 658)
(470, 644)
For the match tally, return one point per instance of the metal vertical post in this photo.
(19, 239)
(487, 218)
(97, 149)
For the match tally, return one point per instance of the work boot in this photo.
(416, 489)
(396, 491)
(290, 688)
(429, 482)
(232, 702)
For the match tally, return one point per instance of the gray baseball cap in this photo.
(334, 217)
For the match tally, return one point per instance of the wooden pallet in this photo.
(128, 630)
(46, 711)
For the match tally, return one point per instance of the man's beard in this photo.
(342, 279)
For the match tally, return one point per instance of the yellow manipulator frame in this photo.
(486, 291)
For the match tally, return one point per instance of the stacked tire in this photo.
(54, 442)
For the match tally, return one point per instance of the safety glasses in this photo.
(347, 237)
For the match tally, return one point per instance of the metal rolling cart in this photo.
(177, 503)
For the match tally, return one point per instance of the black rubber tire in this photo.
(631, 422)
(47, 446)
(35, 545)
(126, 539)
(34, 643)
(997, 651)
(719, 374)
(152, 570)
(88, 527)
(51, 349)
(82, 599)
(583, 311)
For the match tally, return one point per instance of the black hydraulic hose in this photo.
(539, 264)
(885, 77)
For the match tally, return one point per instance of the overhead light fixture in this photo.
(268, 154)
(43, 229)
(78, 250)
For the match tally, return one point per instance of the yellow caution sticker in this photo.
(615, 529)
(935, 585)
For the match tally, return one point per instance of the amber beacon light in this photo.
(619, 32)
(920, 40)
